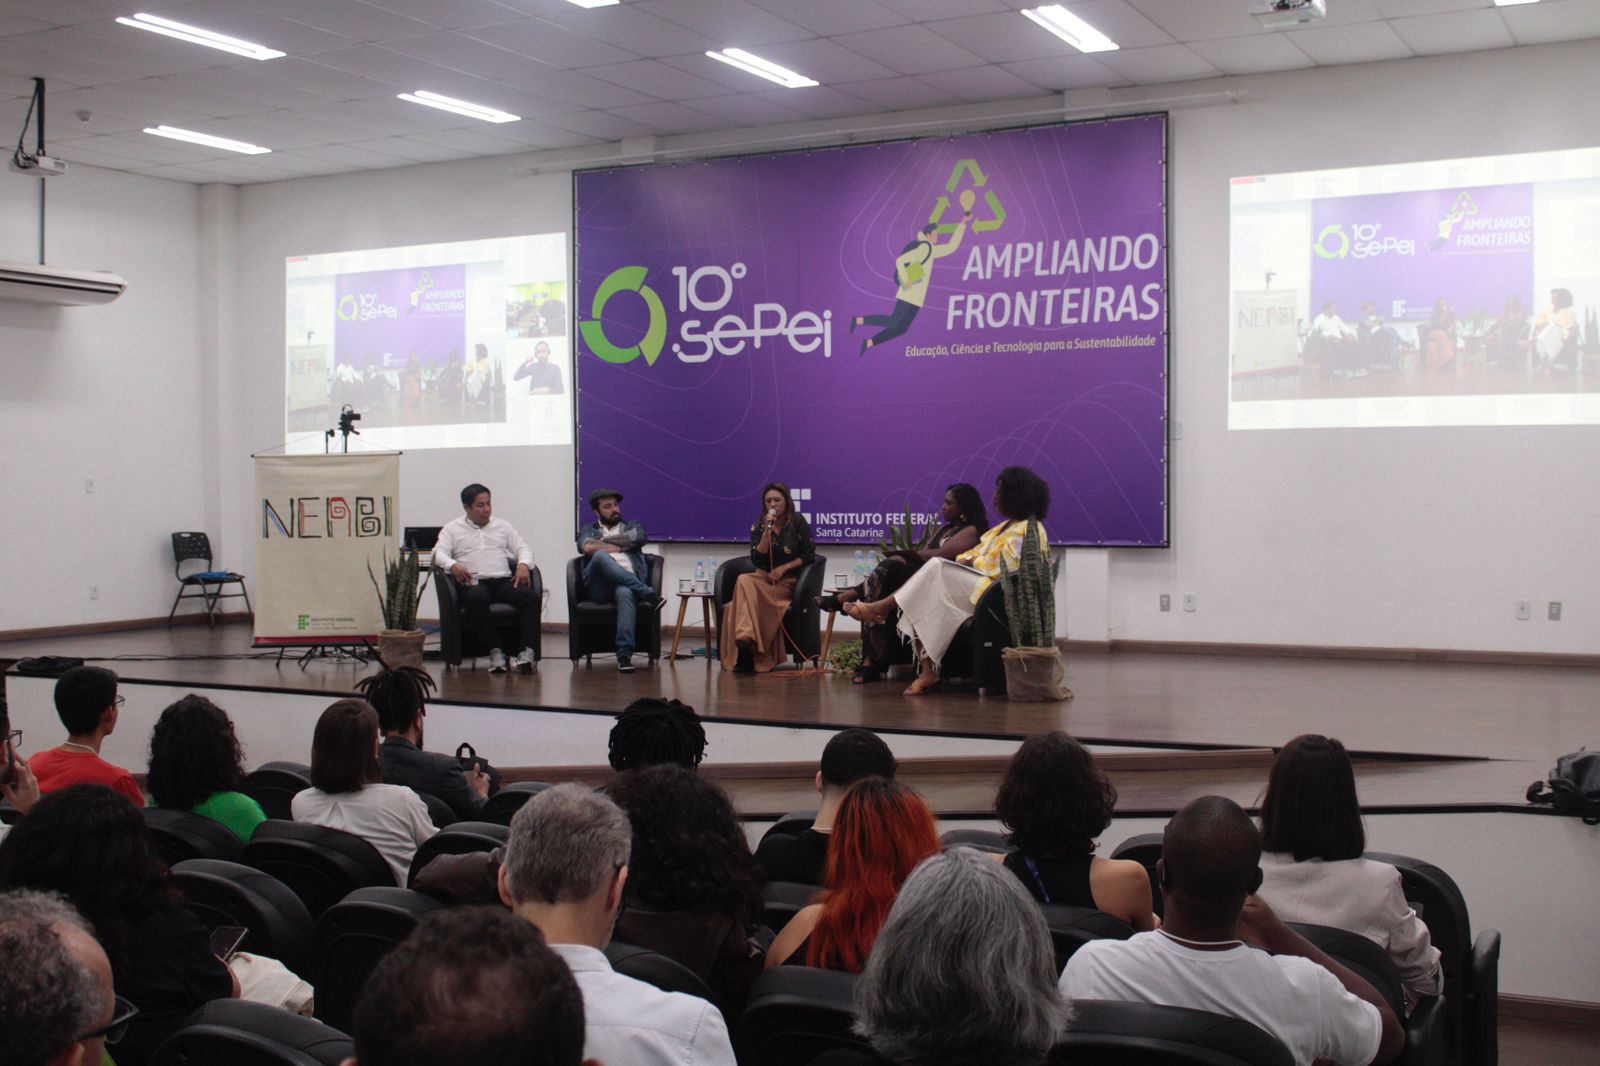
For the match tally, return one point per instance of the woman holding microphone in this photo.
(752, 623)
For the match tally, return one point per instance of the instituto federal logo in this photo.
(626, 279)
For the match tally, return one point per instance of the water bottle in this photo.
(700, 575)
(711, 569)
(872, 560)
(860, 573)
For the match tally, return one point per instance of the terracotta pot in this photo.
(401, 647)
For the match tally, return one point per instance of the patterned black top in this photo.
(792, 541)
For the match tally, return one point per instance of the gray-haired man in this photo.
(56, 1003)
(566, 862)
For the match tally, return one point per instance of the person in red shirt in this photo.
(87, 701)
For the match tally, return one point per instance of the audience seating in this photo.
(1471, 967)
(592, 627)
(181, 835)
(240, 1033)
(320, 865)
(439, 812)
(794, 1014)
(654, 968)
(802, 622)
(974, 652)
(1109, 1033)
(455, 645)
(457, 839)
(1072, 927)
(9, 815)
(782, 900)
(353, 936)
(509, 800)
(205, 585)
(1427, 1037)
(792, 824)
(274, 784)
(1144, 849)
(230, 893)
(980, 839)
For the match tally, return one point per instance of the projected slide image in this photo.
(422, 341)
(1454, 292)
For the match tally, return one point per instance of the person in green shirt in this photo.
(913, 271)
(196, 765)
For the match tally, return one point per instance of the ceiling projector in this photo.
(1276, 14)
(39, 166)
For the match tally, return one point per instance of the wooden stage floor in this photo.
(1430, 733)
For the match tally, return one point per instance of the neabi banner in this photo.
(320, 521)
(871, 324)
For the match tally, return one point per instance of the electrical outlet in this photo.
(88, 485)
(1190, 601)
(1166, 601)
(1553, 612)
(1177, 430)
(94, 592)
(1524, 610)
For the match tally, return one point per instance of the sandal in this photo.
(865, 674)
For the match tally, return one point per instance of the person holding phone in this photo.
(752, 622)
(401, 699)
(18, 786)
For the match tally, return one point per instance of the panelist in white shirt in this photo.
(478, 551)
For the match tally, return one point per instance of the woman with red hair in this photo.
(882, 832)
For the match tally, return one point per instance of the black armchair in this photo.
(592, 626)
(453, 644)
(802, 623)
(975, 651)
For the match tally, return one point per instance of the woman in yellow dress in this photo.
(943, 594)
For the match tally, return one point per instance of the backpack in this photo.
(1574, 786)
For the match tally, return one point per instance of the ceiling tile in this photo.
(1067, 72)
(1396, 9)
(928, 10)
(379, 64)
(976, 84)
(1199, 20)
(468, 55)
(819, 102)
(144, 147)
(673, 118)
(728, 22)
(634, 29)
(659, 80)
(322, 80)
(744, 110)
(158, 55)
(1364, 43)
(450, 14)
(550, 43)
(909, 49)
(246, 84)
(253, 133)
(901, 94)
(409, 148)
(165, 95)
(357, 21)
(1000, 38)
(97, 152)
(246, 21)
(471, 141)
(1167, 62)
(538, 134)
(63, 12)
(1252, 55)
(818, 59)
(360, 158)
(124, 101)
(57, 69)
(1543, 23)
(1122, 22)
(1461, 31)
(829, 18)
(11, 25)
(603, 125)
(355, 122)
(580, 89)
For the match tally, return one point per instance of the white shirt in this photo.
(1292, 998)
(630, 1023)
(1359, 896)
(1331, 326)
(483, 550)
(392, 818)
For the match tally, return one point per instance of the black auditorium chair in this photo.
(802, 622)
(457, 839)
(509, 800)
(654, 968)
(1471, 966)
(439, 812)
(237, 1032)
(9, 815)
(592, 627)
(320, 865)
(1072, 927)
(1427, 1034)
(1144, 849)
(181, 835)
(792, 824)
(981, 839)
(353, 936)
(1111, 1033)
(794, 1014)
(782, 900)
(974, 653)
(455, 644)
(274, 785)
(230, 893)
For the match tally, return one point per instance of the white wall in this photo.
(112, 393)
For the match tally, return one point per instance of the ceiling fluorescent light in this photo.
(1070, 28)
(1513, 3)
(459, 107)
(762, 68)
(196, 35)
(595, 3)
(243, 147)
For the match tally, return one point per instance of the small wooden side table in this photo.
(707, 617)
(827, 634)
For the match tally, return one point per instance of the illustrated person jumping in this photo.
(912, 271)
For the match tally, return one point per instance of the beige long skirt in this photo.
(755, 614)
(933, 604)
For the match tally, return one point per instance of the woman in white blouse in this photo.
(1312, 870)
(347, 790)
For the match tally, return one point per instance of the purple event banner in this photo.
(388, 314)
(724, 310)
(1471, 247)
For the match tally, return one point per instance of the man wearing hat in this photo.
(615, 570)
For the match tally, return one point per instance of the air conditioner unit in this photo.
(28, 283)
(1276, 14)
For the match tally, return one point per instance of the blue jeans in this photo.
(608, 581)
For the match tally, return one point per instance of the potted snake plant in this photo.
(1035, 671)
(400, 643)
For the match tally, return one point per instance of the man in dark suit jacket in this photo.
(849, 756)
(400, 698)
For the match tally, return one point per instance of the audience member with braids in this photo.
(196, 765)
(694, 890)
(400, 697)
(883, 831)
(650, 732)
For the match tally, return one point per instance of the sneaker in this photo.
(497, 661)
(524, 661)
(624, 665)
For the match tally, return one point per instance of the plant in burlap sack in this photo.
(904, 537)
(400, 643)
(1033, 664)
